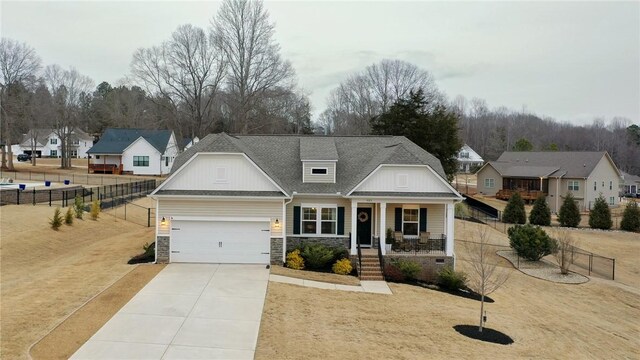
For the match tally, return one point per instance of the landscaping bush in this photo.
(452, 280)
(78, 206)
(392, 273)
(514, 211)
(294, 260)
(317, 256)
(540, 214)
(631, 217)
(342, 267)
(531, 242)
(340, 253)
(68, 216)
(408, 268)
(569, 214)
(600, 215)
(56, 221)
(461, 211)
(95, 209)
(149, 254)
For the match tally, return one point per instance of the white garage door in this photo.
(236, 242)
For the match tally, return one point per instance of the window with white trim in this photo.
(489, 183)
(53, 141)
(325, 224)
(53, 153)
(612, 200)
(319, 171)
(595, 185)
(140, 161)
(410, 221)
(574, 185)
(610, 185)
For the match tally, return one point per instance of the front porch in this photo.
(402, 228)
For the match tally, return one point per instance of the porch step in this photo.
(370, 269)
(371, 278)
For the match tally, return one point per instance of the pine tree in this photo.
(68, 216)
(569, 214)
(514, 211)
(600, 215)
(95, 209)
(631, 217)
(57, 219)
(540, 214)
(78, 206)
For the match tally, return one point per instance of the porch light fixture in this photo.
(277, 222)
(163, 222)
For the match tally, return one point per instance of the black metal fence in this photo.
(73, 178)
(123, 208)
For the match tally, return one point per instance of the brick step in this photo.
(371, 264)
(372, 278)
(364, 272)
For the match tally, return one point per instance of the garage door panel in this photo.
(220, 241)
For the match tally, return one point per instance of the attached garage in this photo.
(237, 241)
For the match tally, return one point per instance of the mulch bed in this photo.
(487, 334)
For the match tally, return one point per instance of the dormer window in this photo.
(319, 171)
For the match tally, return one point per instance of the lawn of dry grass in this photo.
(316, 276)
(47, 274)
(597, 319)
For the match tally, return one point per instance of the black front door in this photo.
(363, 218)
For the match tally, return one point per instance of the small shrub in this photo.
(540, 214)
(392, 273)
(340, 253)
(78, 207)
(408, 268)
(57, 219)
(294, 260)
(68, 216)
(569, 214)
(317, 256)
(95, 209)
(342, 267)
(514, 211)
(461, 211)
(600, 215)
(531, 242)
(452, 280)
(631, 217)
(149, 254)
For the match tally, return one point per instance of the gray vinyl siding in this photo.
(308, 177)
(488, 172)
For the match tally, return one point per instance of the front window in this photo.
(53, 153)
(610, 185)
(612, 200)
(410, 222)
(595, 185)
(140, 161)
(325, 224)
(489, 183)
(574, 185)
(75, 142)
(73, 153)
(53, 141)
(464, 155)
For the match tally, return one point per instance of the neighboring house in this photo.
(468, 159)
(554, 173)
(630, 185)
(134, 151)
(188, 142)
(48, 143)
(253, 198)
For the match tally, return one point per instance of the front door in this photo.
(364, 226)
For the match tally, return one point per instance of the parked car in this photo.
(24, 157)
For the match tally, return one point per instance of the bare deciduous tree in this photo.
(565, 252)
(371, 92)
(19, 64)
(242, 30)
(486, 276)
(183, 74)
(67, 88)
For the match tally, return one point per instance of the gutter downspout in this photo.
(284, 228)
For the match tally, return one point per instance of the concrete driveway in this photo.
(188, 311)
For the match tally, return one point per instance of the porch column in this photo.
(383, 225)
(354, 226)
(450, 223)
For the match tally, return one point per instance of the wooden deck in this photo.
(105, 169)
(527, 196)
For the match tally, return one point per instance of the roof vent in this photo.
(584, 165)
(526, 160)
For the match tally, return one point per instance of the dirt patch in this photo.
(67, 338)
(316, 276)
(48, 274)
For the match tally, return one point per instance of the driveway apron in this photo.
(188, 311)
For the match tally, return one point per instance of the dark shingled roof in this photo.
(221, 193)
(569, 164)
(319, 148)
(114, 141)
(279, 156)
(405, 194)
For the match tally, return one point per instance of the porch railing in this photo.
(435, 245)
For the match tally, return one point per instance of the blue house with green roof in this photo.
(134, 151)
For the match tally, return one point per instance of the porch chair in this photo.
(398, 240)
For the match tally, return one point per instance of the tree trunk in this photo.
(4, 158)
(9, 153)
(481, 312)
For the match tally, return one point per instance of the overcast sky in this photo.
(569, 60)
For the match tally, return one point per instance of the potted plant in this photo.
(389, 240)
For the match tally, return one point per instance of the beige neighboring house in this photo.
(555, 173)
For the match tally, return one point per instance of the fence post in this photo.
(34, 196)
(590, 263)
(17, 196)
(125, 210)
(148, 217)
(49, 197)
(613, 274)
